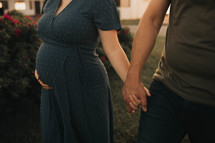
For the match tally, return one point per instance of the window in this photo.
(4, 4)
(125, 3)
(20, 5)
(31, 4)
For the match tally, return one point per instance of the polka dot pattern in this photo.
(79, 107)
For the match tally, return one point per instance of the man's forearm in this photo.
(143, 44)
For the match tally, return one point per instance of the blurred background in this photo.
(20, 92)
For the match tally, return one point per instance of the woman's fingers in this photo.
(131, 99)
(147, 91)
(36, 75)
(133, 107)
(45, 86)
(136, 100)
(134, 103)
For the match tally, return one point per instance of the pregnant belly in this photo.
(57, 64)
(49, 62)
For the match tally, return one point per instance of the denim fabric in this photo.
(170, 117)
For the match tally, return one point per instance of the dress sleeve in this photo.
(42, 11)
(105, 15)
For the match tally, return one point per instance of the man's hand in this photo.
(134, 94)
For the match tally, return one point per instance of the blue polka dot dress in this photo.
(79, 108)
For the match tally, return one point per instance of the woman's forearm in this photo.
(114, 52)
(119, 61)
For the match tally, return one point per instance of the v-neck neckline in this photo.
(57, 7)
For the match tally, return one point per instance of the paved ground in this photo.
(161, 33)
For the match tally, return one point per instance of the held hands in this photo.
(134, 94)
(45, 86)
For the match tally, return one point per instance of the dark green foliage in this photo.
(18, 45)
(125, 37)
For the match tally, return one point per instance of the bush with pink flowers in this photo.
(18, 46)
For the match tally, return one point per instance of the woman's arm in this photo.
(118, 59)
(114, 52)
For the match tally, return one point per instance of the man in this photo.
(183, 89)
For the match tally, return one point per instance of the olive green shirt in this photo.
(187, 64)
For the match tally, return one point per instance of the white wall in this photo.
(28, 11)
(135, 11)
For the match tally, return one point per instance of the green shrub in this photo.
(125, 37)
(18, 45)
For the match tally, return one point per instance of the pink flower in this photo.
(26, 57)
(17, 32)
(103, 59)
(126, 32)
(35, 23)
(6, 16)
(16, 22)
(28, 17)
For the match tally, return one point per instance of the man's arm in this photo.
(143, 44)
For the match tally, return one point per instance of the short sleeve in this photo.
(42, 11)
(105, 15)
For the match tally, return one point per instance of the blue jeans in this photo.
(170, 117)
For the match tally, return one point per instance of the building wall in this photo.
(28, 11)
(132, 9)
(124, 3)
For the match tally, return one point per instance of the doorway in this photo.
(37, 7)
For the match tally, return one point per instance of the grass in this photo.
(21, 122)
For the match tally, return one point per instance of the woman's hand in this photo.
(45, 86)
(134, 94)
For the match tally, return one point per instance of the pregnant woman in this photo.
(76, 104)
